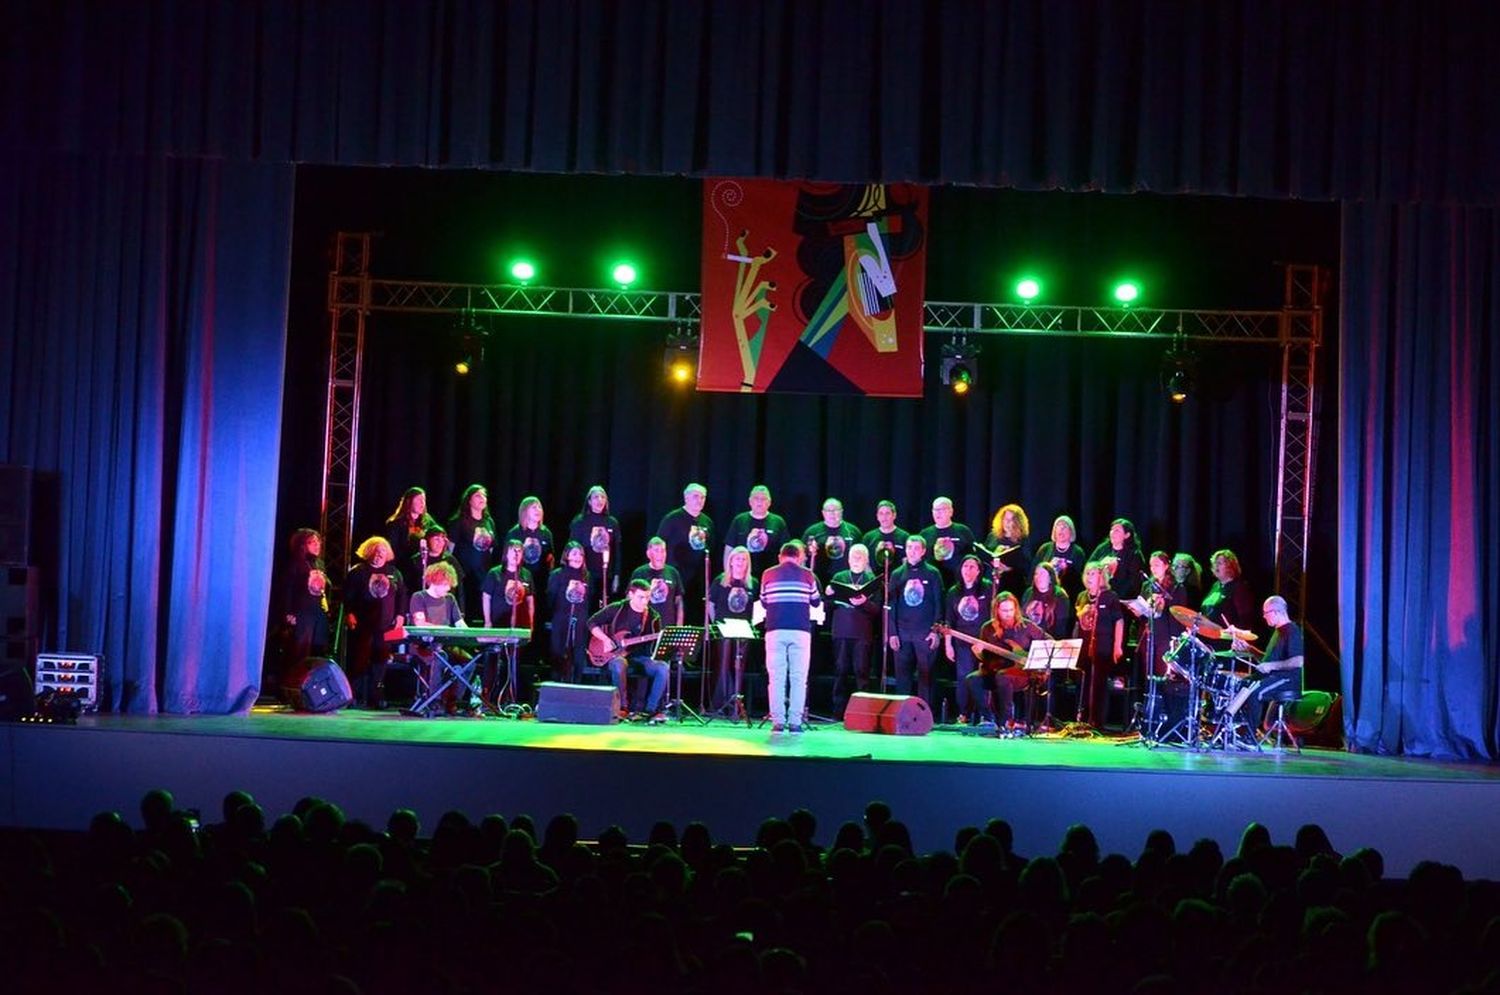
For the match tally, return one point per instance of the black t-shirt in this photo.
(567, 594)
(857, 622)
(1164, 627)
(1052, 611)
(473, 543)
(967, 608)
(832, 548)
(297, 597)
(505, 612)
(1126, 581)
(666, 589)
(1231, 602)
(947, 547)
(1068, 563)
(618, 620)
(916, 599)
(1286, 643)
(536, 548)
(733, 601)
(762, 536)
(596, 534)
(687, 538)
(405, 539)
(1017, 577)
(1017, 639)
(1100, 643)
(886, 545)
(375, 597)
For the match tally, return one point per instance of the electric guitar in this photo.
(601, 651)
(987, 664)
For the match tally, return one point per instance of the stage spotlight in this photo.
(1127, 292)
(1028, 289)
(523, 271)
(959, 368)
(469, 336)
(624, 274)
(1177, 374)
(679, 359)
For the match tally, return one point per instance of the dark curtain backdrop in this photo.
(1379, 102)
(1064, 427)
(144, 302)
(1419, 459)
(1379, 99)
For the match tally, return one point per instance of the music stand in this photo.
(1051, 655)
(740, 632)
(676, 644)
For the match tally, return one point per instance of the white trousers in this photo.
(788, 653)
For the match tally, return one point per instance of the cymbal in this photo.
(1190, 619)
(1244, 635)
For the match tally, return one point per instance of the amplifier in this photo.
(893, 714)
(587, 704)
(74, 674)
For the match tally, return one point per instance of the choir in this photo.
(901, 604)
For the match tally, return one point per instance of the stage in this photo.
(732, 777)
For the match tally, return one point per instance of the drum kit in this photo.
(1194, 704)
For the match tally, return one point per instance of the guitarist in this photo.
(966, 610)
(1002, 675)
(623, 622)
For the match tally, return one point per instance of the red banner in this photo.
(813, 287)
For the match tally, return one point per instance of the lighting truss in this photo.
(1296, 328)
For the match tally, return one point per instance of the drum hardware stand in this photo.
(677, 643)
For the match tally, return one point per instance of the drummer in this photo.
(1278, 671)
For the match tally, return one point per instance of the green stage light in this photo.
(624, 274)
(523, 270)
(1127, 292)
(1028, 289)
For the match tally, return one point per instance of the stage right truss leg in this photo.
(1301, 334)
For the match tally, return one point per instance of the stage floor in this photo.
(945, 745)
(732, 777)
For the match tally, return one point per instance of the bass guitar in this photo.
(601, 651)
(988, 664)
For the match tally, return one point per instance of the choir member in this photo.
(855, 625)
(405, 529)
(1045, 605)
(1188, 573)
(472, 532)
(1065, 553)
(1010, 531)
(1163, 594)
(304, 598)
(374, 604)
(436, 548)
(508, 599)
(948, 542)
(1229, 600)
(915, 595)
(689, 534)
(598, 532)
(1122, 558)
(759, 530)
(663, 581)
(732, 595)
(534, 536)
(1101, 626)
(568, 595)
(966, 610)
(828, 541)
(886, 541)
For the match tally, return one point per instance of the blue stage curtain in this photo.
(1380, 99)
(1419, 455)
(142, 362)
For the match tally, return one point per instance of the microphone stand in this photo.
(703, 651)
(1144, 725)
(885, 619)
(604, 575)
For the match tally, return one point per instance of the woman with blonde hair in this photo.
(374, 604)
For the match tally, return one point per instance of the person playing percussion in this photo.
(1279, 668)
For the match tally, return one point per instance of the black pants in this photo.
(851, 666)
(367, 657)
(915, 655)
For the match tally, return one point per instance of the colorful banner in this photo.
(813, 287)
